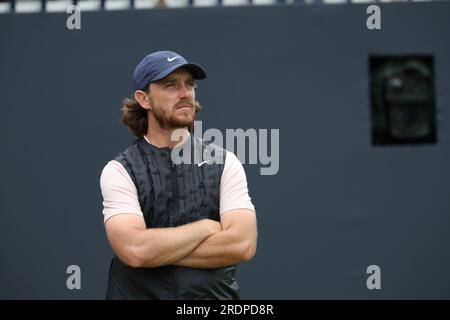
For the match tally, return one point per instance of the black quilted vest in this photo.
(172, 194)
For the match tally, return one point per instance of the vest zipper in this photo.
(174, 189)
(171, 216)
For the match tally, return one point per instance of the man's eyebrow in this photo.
(165, 80)
(173, 79)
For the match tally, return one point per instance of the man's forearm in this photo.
(223, 248)
(163, 246)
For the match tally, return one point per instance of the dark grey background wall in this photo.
(337, 204)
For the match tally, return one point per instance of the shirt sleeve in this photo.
(233, 186)
(118, 191)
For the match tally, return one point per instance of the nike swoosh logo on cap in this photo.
(171, 59)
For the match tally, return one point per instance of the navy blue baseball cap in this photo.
(157, 65)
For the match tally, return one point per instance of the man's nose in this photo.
(185, 92)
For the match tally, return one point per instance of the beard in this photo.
(174, 119)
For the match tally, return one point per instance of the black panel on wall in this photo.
(402, 99)
(337, 207)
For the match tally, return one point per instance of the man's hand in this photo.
(214, 226)
(235, 243)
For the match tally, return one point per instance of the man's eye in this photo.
(170, 85)
(192, 85)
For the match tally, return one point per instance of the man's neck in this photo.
(163, 138)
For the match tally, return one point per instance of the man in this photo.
(177, 229)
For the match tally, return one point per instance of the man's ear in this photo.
(142, 98)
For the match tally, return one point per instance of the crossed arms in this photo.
(201, 244)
